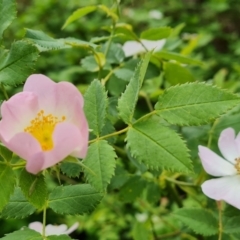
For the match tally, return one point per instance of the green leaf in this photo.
(142, 231)
(77, 199)
(158, 146)
(59, 237)
(7, 14)
(23, 234)
(95, 106)
(194, 103)
(128, 100)
(123, 73)
(101, 160)
(5, 153)
(175, 74)
(177, 57)
(34, 188)
(18, 206)
(201, 221)
(132, 189)
(78, 14)
(109, 12)
(71, 169)
(156, 33)
(89, 63)
(126, 31)
(7, 184)
(115, 54)
(231, 224)
(18, 64)
(74, 42)
(44, 42)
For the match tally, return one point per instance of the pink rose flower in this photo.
(45, 123)
(227, 187)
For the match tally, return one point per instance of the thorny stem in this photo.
(4, 91)
(220, 226)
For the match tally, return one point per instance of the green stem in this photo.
(149, 104)
(146, 116)
(44, 222)
(109, 135)
(4, 91)
(211, 133)
(220, 226)
(180, 182)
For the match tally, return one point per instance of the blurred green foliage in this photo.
(206, 30)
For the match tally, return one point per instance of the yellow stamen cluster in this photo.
(237, 165)
(42, 127)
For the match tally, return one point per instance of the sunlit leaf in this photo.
(156, 33)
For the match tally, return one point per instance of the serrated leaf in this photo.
(5, 153)
(7, 14)
(59, 237)
(177, 74)
(18, 206)
(194, 103)
(18, 64)
(101, 160)
(128, 100)
(156, 33)
(23, 234)
(177, 57)
(78, 14)
(132, 189)
(7, 184)
(71, 169)
(199, 220)
(77, 199)
(95, 106)
(34, 188)
(158, 146)
(44, 42)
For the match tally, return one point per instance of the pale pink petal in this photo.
(66, 138)
(215, 165)
(72, 228)
(17, 113)
(56, 229)
(225, 188)
(37, 226)
(228, 145)
(53, 97)
(24, 145)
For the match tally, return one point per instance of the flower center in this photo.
(237, 164)
(42, 127)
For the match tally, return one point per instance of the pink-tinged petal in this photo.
(66, 138)
(16, 113)
(72, 228)
(225, 188)
(24, 145)
(56, 230)
(54, 97)
(37, 226)
(228, 145)
(215, 165)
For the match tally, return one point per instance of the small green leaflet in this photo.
(44, 42)
(34, 188)
(101, 160)
(194, 103)
(201, 221)
(174, 73)
(156, 33)
(78, 14)
(5, 153)
(7, 184)
(18, 64)
(24, 234)
(95, 106)
(76, 199)
(158, 146)
(18, 206)
(7, 14)
(128, 100)
(177, 57)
